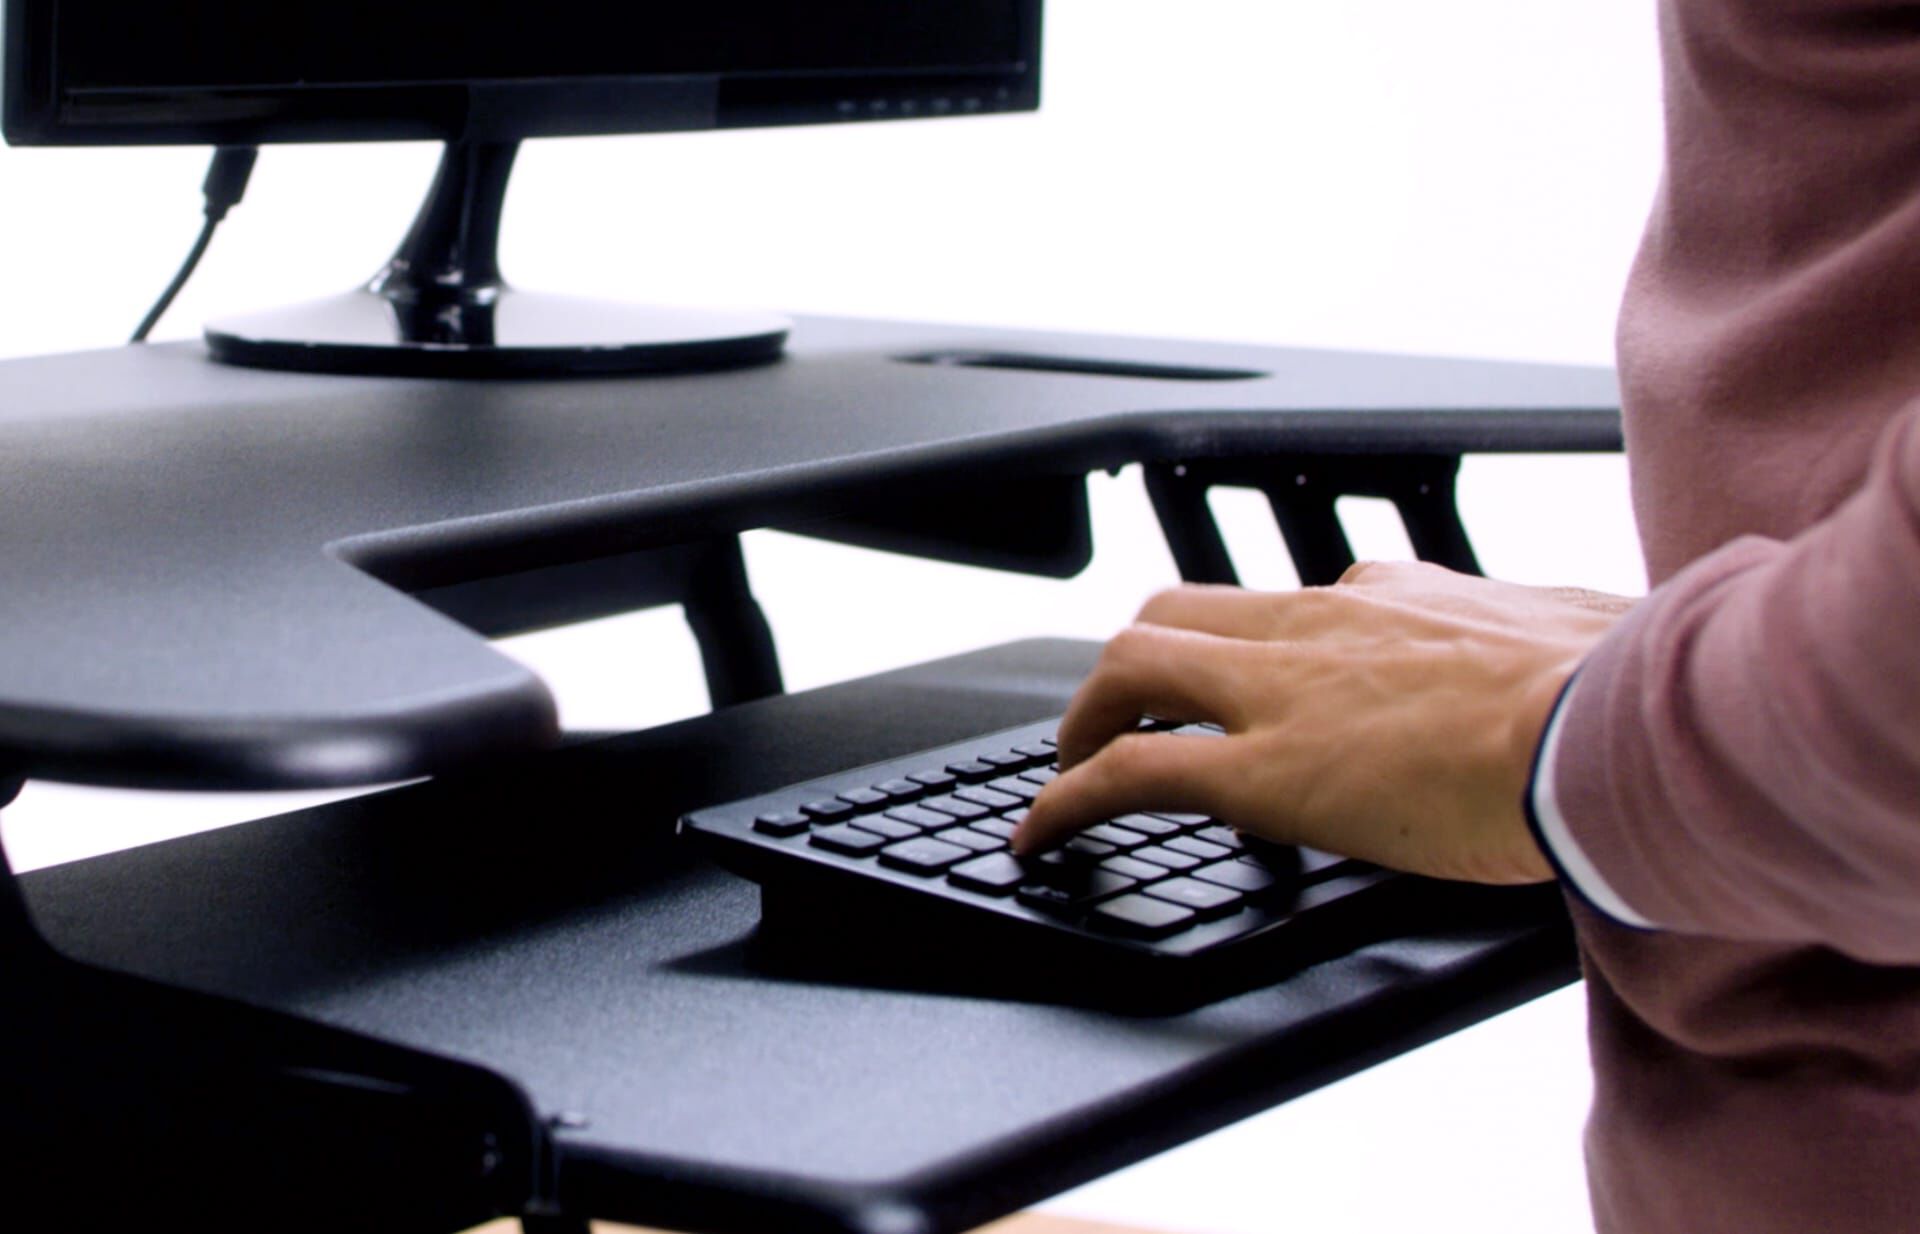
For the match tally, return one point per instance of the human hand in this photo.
(1392, 717)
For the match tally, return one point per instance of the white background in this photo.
(1396, 175)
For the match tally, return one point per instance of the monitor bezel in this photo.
(39, 111)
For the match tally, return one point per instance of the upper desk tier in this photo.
(207, 568)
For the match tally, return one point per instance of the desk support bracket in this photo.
(1303, 490)
(128, 1103)
(736, 643)
(706, 578)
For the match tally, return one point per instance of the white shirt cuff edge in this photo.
(1558, 837)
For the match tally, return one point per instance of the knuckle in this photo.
(1131, 753)
(1168, 601)
(1108, 762)
(1363, 573)
(1108, 671)
(1158, 604)
(1312, 602)
(1096, 777)
(1130, 645)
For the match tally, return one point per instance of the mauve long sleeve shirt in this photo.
(1732, 781)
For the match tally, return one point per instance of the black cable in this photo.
(225, 185)
(165, 301)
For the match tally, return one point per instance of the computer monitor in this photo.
(482, 75)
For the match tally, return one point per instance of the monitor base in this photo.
(508, 333)
(440, 308)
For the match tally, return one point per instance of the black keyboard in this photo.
(900, 872)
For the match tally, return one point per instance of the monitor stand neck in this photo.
(441, 308)
(444, 282)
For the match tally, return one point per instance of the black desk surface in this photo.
(207, 567)
(546, 925)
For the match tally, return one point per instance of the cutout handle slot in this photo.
(1080, 366)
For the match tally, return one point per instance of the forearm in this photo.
(1741, 758)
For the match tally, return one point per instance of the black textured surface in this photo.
(546, 924)
(205, 565)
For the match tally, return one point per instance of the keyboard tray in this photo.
(548, 924)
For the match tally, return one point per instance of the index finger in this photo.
(1144, 771)
(1150, 671)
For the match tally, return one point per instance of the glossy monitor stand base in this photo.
(442, 309)
(514, 333)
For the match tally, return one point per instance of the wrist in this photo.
(1535, 709)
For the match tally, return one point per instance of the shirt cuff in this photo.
(1555, 838)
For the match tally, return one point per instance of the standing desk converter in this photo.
(508, 990)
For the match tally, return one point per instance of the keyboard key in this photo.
(925, 856)
(864, 798)
(1087, 847)
(1225, 837)
(1142, 916)
(1064, 858)
(1161, 855)
(1041, 775)
(1183, 820)
(784, 823)
(1111, 833)
(968, 837)
(999, 828)
(1193, 846)
(1006, 760)
(1149, 824)
(992, 798)
(1145, 871)
(1042, 750)
(1025, 790)
(1200, 730)
(920, 817)
(1207, 899)
(996, 874)
(900, 790)
(891, 828)
(832, 807)
(973, 770)
(1069, 889)
(846, 839)
(1316, 865)
(1016, 816)
(938, 781)
(965, 811)
(1238, 875)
